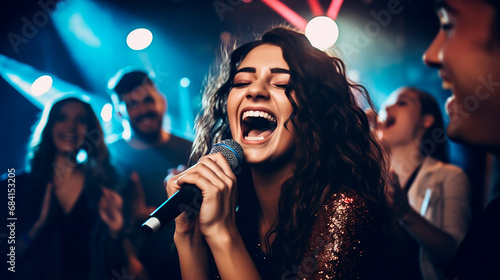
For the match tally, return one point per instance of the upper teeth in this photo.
(256, 138)
(447, 85)
(261, 114)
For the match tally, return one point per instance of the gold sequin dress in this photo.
(347, 241)
(343, 243)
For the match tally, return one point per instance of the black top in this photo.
(478, 256)
(76, 245)
(75, 230)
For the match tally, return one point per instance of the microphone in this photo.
(189, 197)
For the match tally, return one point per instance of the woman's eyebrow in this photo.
(280, 70)
(246, 69)
(273, 70)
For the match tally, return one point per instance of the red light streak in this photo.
(287, 13)
(334, 8)
(316, 8)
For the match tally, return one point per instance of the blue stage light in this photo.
(185, 82)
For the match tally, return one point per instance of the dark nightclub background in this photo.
(82, 43)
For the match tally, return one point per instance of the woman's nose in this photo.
(70, 124)
(258, 90)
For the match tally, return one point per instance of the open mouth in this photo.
(257, 125)
(450, 105)
(389, 121)
(447, 85)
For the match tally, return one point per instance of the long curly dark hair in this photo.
(40, 161)
(336, 150)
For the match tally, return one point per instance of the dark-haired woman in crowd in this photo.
(310, 199)
(70, 218)
(431, 197)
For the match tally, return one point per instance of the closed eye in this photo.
(283, 86)
(240, 85)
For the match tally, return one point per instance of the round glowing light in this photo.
(185, 82)
(41, 85)
(107, 112)
(81, 156)
(322, 32)
(139, 39)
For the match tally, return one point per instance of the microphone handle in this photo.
(188, 198)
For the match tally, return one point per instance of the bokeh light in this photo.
(322, 32)
(139, 39)
(81, 156)
(107, 112)
(41, 85)
(185, 82)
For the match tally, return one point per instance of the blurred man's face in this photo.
(468, 59)
(144, 110)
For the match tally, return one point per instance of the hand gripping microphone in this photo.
(189, 196)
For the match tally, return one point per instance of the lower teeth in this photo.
(254, 137)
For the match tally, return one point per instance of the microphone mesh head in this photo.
(232, 151)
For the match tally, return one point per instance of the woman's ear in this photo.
(427, 121)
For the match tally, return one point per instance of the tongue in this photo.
(257, 132)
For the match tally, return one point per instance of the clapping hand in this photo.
(110, 211)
